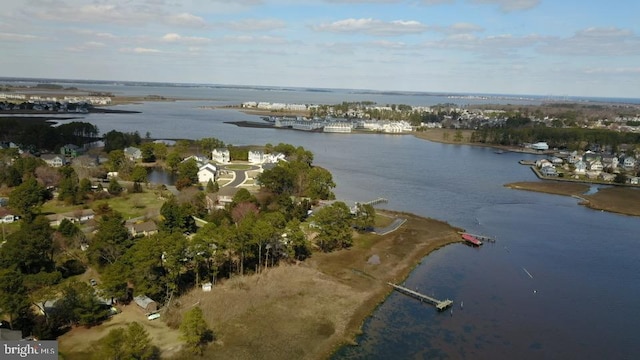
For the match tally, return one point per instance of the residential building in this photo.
(53, 160)
(146, 228)
(581, 167)
(207, 172)
(540, 146)
(221, 156)
(132, 153)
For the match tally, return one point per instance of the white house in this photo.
(132, 153)
(595, 166)
(221, 156)
(6, 216)
(256, 156)
(581, 167)
(540, 146)
(207, 172)
(549, 171)
(53, 160)
(629, 162)
(200, 160)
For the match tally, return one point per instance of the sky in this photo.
(536, 47)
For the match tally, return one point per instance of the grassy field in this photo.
(147, 203)
(238, 167)
(306, 311)
(78, 343)
(622, 200)
(446, 136)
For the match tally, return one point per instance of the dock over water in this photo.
(376, 202)
(439, 304)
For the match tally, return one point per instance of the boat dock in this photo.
(479, 237)
(376, 202)
(439, 304)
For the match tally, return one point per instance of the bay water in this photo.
(560, 282)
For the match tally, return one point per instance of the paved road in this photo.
(239, 176)
(392, 227)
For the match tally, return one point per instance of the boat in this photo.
(471, 239)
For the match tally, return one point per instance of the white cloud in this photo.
(511, 5)
(140, 50)
(173, 37)
(388, 44)
(595, 42)
(245, 39)
(373, 27)
(461, 28)
(614, 71)
(186, 19)
(256, 25)
(18, 37)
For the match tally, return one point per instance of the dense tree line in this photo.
(37, 134)
(519, 130)
(252, 233)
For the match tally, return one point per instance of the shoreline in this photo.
(614, 199)
(305, 310)
(312, 309)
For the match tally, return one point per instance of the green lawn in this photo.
(129, 205)
(238, 167)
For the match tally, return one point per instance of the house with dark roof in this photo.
(146, 228)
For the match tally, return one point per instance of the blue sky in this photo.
(543, 47)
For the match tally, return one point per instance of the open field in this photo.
(446, 136)
(306, 311)
(129, 205)
(78, 343)
(622, 200)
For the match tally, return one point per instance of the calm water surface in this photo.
(580, 303)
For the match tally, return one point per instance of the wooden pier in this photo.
(439, 304)
(376, 202)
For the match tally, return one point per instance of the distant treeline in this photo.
(520, 130)
(38, 134)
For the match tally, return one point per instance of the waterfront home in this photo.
(635, 180)
(543, 163)
(221, 156)
(610, 162)
(53, 160)
(590, 156)
(629, 162)
(207, 172)
(549, 171)
(581, 167)
(595, 165)
(574, 158)
(556, 160)
(132, 153)
(540, 146)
